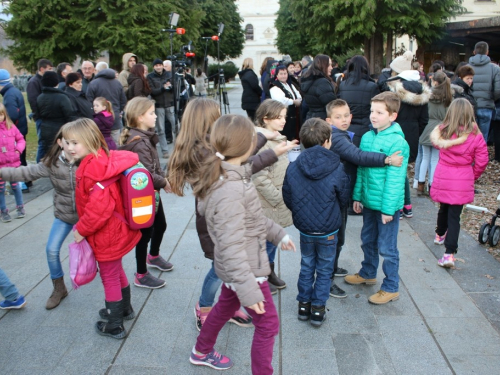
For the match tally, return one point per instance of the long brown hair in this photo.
(232, 136)
(192, 143)
(135, 108)
(319, 67)
(138, 70)
(264, 64)
(442, 91)
(459, 119)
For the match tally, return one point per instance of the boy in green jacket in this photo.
(379, 192)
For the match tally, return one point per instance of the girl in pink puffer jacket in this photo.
(12, 144)
(463, 157)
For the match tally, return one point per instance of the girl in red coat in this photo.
(12, 145)
(463, 157)
(109, 237)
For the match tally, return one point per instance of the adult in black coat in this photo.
(54, 110)
(73, 88)
(358, 89)
(318, 87)
(250, 99)
(465, 77)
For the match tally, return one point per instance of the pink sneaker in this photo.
(447, 261)
(242, 319)
(439, 240)
(201, 314)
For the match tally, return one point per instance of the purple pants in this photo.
(266, 328)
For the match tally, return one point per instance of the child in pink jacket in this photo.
(463, 157)
(12, 145)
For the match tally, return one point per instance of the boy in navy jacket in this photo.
(339, 117)
(315, 189)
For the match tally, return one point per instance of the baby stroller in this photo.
(489, 232)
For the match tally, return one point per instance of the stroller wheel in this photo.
(484, 233)
(494, 235)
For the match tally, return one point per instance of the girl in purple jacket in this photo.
(12, 145)
(104, 117)
(463, 157)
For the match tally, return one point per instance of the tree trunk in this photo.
(388, 49)
(374, 52)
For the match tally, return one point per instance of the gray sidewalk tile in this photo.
(471, 364)
(488, 304)
(310, 361)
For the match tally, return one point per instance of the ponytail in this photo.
(124, 136)
(211, 170)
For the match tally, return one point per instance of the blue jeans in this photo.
(40, 152)
(484, 116)
(210, 287)
(430, 155)
(418, 161)
(18, 193)
(380, 239)
(317, 256)
(271, 251)
(58, 234)
(7, 289)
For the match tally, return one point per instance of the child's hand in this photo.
(288, 246)
(386, 219)
(357, 207)
(272, 135)
(78, 236)
(167, 187)
(397, 159)
(257, 307)
(285, 147)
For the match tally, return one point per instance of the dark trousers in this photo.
(448, 222)
(407, 192)
(155, 234)
(251, 114)
(340, 237)
(495, 124)
(168, 130)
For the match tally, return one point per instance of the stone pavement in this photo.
(445, 322)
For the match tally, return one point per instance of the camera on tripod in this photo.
(183, 59)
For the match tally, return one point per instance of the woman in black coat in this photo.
(358, 89)
(81, 106)
(250, 99)
(318, 87)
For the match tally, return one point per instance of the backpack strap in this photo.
(104, 184)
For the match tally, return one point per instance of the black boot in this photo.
(274, 279)
(114, 326)
(128, 311)
(318, 315)
(304, 311)
(273, 288)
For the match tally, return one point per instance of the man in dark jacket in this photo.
(87, 72)
(161, 92)
(34, 87)
(486, 86)
(315, 189)
(106, 85)
(14, 104)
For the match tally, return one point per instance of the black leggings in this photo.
(448, 222)
(153, 233)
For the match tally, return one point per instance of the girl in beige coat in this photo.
(271, 118)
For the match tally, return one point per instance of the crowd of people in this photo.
(357, 133)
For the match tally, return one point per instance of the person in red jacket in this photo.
(109, 237)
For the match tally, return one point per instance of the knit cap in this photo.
(49, 79)
(157, 61)
(4, 77)
(402, 63)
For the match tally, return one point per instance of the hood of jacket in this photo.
(104, 167)
(106, 73)
(460, 86)
(479, 60)
(317, 162)
(126, 57)
(132, 77)
(439, 142)
(138, 134)
(243, 72)
(410, 92)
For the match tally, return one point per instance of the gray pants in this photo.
(115, 134)
(160, 124)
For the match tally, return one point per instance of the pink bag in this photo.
(82, 263)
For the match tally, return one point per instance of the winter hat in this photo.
(157, 61)
(50, 79)
(410, 75)
(4, 77)
(402, 63)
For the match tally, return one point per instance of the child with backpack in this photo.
(12, 145)
(104, 117)
(139, 136)
(59, 166)
(229, 202)
(109, 237)
(463, 157)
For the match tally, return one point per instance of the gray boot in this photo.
(58, 294)
(128, 311)
(114, 326)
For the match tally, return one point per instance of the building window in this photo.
(249, 32)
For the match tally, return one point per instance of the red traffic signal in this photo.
(215, 38)
(180, 31)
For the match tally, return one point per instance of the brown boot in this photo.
(58, 293)
(274, 279)
(421, 189)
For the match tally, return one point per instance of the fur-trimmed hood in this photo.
(439, 142)
(410, 92)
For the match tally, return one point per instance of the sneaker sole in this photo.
(14, 307)
(340, 274)
(338, 296)
(408, 216)
(157, 267)
(200, 363)
(383, 303)
(447, 265)
(438, 242)
(149, 287)
(317, 323)
(20, 216)
(245, 325)
(120, 336)
(303, 318)
(367, 282)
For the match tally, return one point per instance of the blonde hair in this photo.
(232, 136)
(7, 120)
(247, 63)
(269, 109)
(135, 108)
(459, 119)
(192, 143)
(106, 103)
(86, 132)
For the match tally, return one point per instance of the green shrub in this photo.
(230, 71)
